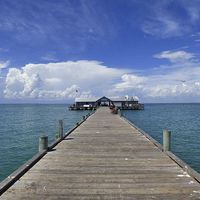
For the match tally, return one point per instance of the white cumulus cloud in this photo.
(175, 56)
(176, 82)
(60, 80)
(130, 81)
(4, 64)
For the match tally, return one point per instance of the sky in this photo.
(53, 51)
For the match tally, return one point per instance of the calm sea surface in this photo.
(21, 126)
(182, 119)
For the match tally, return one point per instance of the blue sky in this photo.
(147, 49)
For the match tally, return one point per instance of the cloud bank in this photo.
(67, 80)
(60, 80)
(176, 56)
(179, 80)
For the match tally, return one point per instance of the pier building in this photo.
(123, 103)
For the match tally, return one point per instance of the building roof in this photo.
(95, 99)
(86, 99)
(118, 99)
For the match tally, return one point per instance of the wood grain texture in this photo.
(105, 158)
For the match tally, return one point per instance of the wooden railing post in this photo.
(166, 140)
(120, 112)
(61, 128)
(43, 143)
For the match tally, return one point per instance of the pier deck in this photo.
(105, 158)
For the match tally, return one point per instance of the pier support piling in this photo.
(61, 128)
(120, 112)
(166, 140)
(43, 143)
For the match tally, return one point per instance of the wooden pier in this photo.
(105, 158)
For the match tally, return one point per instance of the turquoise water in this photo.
(182, 119)
(21, 126)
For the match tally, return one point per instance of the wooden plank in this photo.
(105, 158)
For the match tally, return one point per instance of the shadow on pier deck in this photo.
(105, 158)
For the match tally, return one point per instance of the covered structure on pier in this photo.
(123, 103)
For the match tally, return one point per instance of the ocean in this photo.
(183, 120)
(21, 126)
